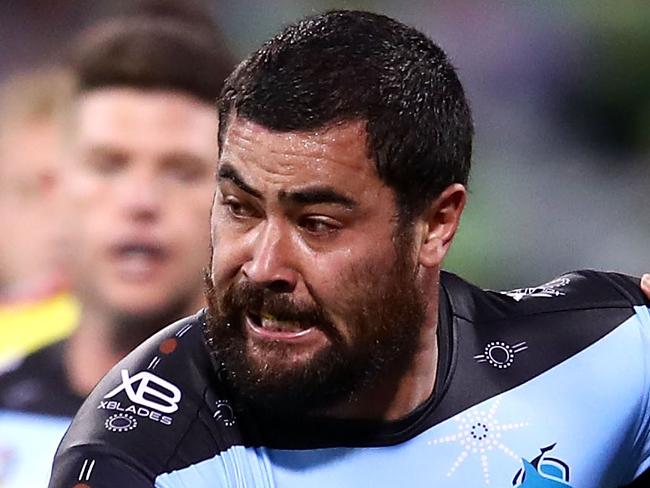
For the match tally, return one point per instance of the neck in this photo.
(90, 352)
(103, 338)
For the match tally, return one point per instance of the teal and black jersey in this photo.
(538, 387)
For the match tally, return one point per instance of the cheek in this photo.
(231, 243)
(185, 221)
(225, 267)
(227, 254)
(83, 184)
(83, 207)
(341, 279)
(84, 194)
(191, 235)
(191, 212)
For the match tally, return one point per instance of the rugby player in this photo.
(334, 351)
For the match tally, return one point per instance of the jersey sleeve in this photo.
(643, 315)
(148, 416)
(630, 288)
(84, 467)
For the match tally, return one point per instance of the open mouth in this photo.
(270, 327)
(137, 259)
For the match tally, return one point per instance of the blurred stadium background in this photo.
(561, 98)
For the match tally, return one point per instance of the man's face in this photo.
(140, 188)
(312, 291)
(30, 160)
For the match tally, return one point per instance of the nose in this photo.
(270, 263)
(140, 196)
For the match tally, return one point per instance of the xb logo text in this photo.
(151, 391)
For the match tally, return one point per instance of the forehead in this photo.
(336, 154)
(137, 116)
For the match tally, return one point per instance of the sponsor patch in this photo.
(151, 397)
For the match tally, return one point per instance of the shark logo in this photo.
(547, 290)
(543, 472)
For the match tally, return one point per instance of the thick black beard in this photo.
(385, 312)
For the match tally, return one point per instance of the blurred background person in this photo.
(137, 195)
(35, 307)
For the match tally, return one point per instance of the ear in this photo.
(440, 222)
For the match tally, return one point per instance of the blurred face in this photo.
(139, 190)
(30, 159)
(312, 291)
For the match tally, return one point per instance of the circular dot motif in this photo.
(479, 431)
(120, 422)
(224, 413)
(168, 346)
(499, 354)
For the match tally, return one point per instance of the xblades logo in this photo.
(151, 391)
(132, 409)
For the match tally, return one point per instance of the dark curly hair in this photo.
(352, 65)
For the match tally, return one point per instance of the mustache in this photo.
(258, 299)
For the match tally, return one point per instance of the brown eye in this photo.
(185, 168)
(237, 209)
(106, 161)
(318, 225)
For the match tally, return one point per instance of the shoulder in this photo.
(575, 325)
(32, 363)
(31, 325)
(36, 383)
(156, 407)
(575, 291)
(552, 322)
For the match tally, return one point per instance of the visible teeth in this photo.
(271, 323)
(137, 252)
(267, 316)
(140, 250)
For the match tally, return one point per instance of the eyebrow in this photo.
(306, 196)
(317, 194)
(228, 172)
